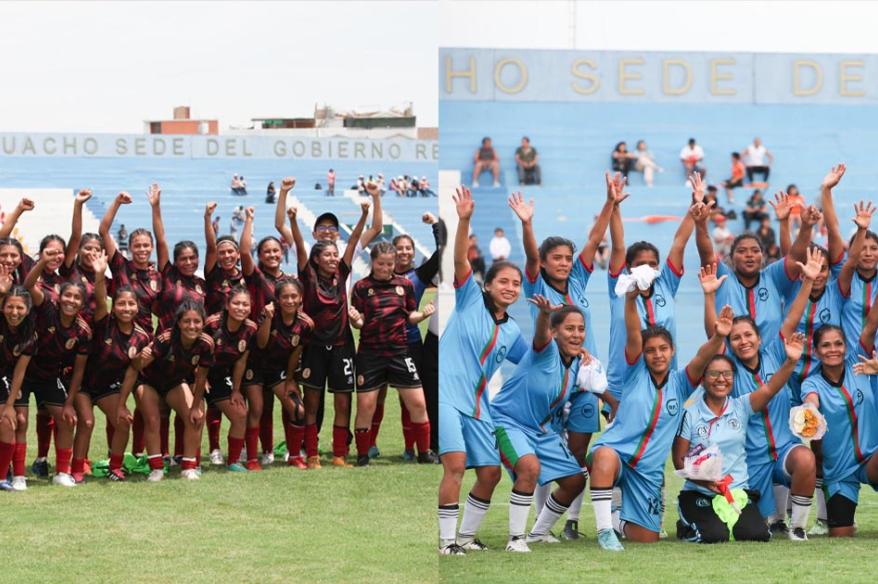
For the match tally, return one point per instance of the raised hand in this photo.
(99, 262)
(543, 304)
(463, 200)
(709, 282)
(811, 216)
(291, 213)
(364, 207)
(268, 311)
(833, 177)
(429, 218)
(781, 205)
(154, 194)
(794, 346)
(867, 366)
(372, 189)
(209, 209)
(615, 187)
(50, 254)
(305, 318)
(287, 184)
(524, 211)
(25, 205)
(123, 198)
(697, 187)
(6, 279)
(249, 213)
(724, 321)
(863, 211)
(83, 195)
(813, 263)
(700, 212)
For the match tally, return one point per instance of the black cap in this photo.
(324, 217)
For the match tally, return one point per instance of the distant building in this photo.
(182, 124)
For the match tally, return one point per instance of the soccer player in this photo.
(233, 337)
(720, 418)
(383, 303)
(552, 271)
(527, 414)
(329, 352)
(11, 253)
(633, 450)
(174, 368)
(478, 337)
(118, 343)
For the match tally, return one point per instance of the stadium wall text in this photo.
(168, 146)
(535, 75)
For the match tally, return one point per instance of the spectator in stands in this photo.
(361, 185)
(238, 186)
(797, 205)
(380, 182)
(527, 164)
(692, 157)
(486, 159)
(412, 185)
(330, 183)
(766, 235)
(424, 188)
(271, 193)
(499, 247)
(396, 186)
(645, 162)
(122, 239)
(758, 160)
(215, 225)
(737, 178)
(476, 261)
(722, 238)
(711, 197)
(756, 209)
(622, 159)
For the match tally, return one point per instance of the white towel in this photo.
(592, 377)
(642, 276)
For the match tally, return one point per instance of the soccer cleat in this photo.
(362, 461)
(216, 457)
(452, 549)
(86, 468)
(543, 538)
(267, 458)
(428, 457)
(663, 534)
(78, 477)
(472, 545)
(63, 479)
(374, 452)
(313, 462)
(40, 468)
(297, 461)
(608, 541)
(6, 486)
(797, 534)
(340, 461)
(190, 474)
(116, 475)
(254, 465)
(19, 483)
(236, 467)
(820, 528)
(571, 530)
(517, 544)
(177, 460)
(779, 527)
(156, 475)
(409, 456)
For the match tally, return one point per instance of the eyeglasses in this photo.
(327, 229)
(714, 375)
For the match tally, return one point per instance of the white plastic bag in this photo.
(703, 464)
(807, 422)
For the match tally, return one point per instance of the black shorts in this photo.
(333, 364)
(20, 402)
(162, 387)
(375, 371)
(730, 184)
(50, 392)
(220, 388)
(700, 523)
(271, 377)
(252, 375)
(98, 393)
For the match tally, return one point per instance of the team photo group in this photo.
(776, 412)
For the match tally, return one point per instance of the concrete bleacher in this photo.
(574, 141)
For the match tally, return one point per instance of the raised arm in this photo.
(280, 222)
(298, 240)
(209, 239)
(830, 217)
(781, 206)
(76, 227)
(687, 225)
(634, 341)
(809, 270)
(617, 242)
(264, 330)
(377, 224)
(863, 219)
(428, 270)
(525, 212)
(722, 328)
(23, 206)
(122, 198)
(351, 247)
(31, 282)
(615, 196)
(101, 304)
(794, 346)
(710, 284)
(810, 217)
(463, 200)
(158, 226)
(247, 263)
(700, 213)
(542, 329)
(867, 335)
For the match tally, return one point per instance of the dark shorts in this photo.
(272, 377)
(375, 371)
(51, 392)
(220, 388)
(730, 184)
(699, 523)
(333, 364)
(98, 393)
(252, 375)
(20, 402)
(162, 387)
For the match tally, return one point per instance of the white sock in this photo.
(519, 509)
(781, 493)
(540, 495)
(801, 507)
(575, 507)
(552, 511)
(602, 501)
(473, 513)
(821, 500)
(447, 523)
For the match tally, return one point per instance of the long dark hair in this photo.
(234, 291)
(183, 245)
(492, 273)
(182, 309)
(28, 325)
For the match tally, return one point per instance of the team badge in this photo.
(108, 341)
(16, 350)
(225, 283)
(51, 330)
(219, 342)
(153, 285)
(57, 288)
(763, 294)
(84, 280)
(70, 344)
(294, 340)
(371, 292)
(702, 502)
(673, 407)
(701, 431)
(734, 424)
(400, 291)
(195, 359)
(306, 373)
(360, 380)
(249, 374)
(198, 288)
(242, 346)
(132, 352)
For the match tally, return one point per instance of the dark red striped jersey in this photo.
(175, 289)
(283, 339)
(147, 285)
(13, 344)
(86, 277)
(326, 302)
(173, 363)
(385, 306)
(261, 286)
(219, 283)
(50, 284)
(57, 346)
(112, 352)
(229, 346)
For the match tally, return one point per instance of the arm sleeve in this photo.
(672, 275)
(357, 299)
(685, 431)
(777, 273)
(518, 349)
(467, 293)
(428, 270)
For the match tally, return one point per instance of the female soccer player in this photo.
(527, 413)
(721, 419)
(478, 337)
(774, 455)
(281, 338)
(118, 342)
(11, 253)
(633, 450)
(174, 368)
(383, 303)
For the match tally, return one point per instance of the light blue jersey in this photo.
(471, 350)
(657, 309)
(728, 431)
(856, 309)
(763, 302)
(533, 397)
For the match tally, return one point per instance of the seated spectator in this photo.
(270, 193)
(380, 182)
(330, 183)
(215, 225)
(122, 240)
(692, 157)
(361, 185)
(737, 178)
(797, 205)
(424, 188)
(397, 185)
(622, 159)
(527, 164)
(474, 255)
(755, 210)
(758, 160)
(765, 233)
(711, 197)
(499, 247)
(722, 238)
(486, 159)
(238, 186)
(644, 162)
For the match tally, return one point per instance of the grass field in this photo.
(852, 560)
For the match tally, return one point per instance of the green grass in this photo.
(851, 560)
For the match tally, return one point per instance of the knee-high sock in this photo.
(266, 423)
(552, 511)
(473, 513)
(602, 501)
(251, 436)
(447, 522)
(575, 508)
(422, 436)
(408, 437)
(801, 507)
(138, 444)
(340, 439)
(45, 425)
(780, 502)
(295, 435)
(235, 447)
(377, 417)
(821, 500)
(541, 493)
(165, 434)
(519, 509)
(62, 459)
(179, 428)
(363, 437)
(214, 424)
(7, 452)
(311, 440)
(18, 459)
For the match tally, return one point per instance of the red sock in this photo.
(235, 447)
(7, 451)
(110, 429)
(363, 437)
(377, 417)
(252, 438)
(340, 437)
(266, 423)
(62, 459)
(45, 423)
(422, 436)
(198, 457)
(137, 442)
(18, 459)
(164, 434)
(116, 461)
(408, 434)
(214, 422)
(78, 466)
(179, 429)
(187, 463)
(155, 462)
(311, 440)
(294, 435)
